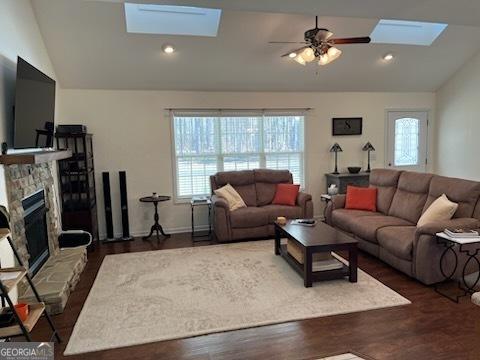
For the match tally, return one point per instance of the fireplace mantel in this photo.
(34, 157)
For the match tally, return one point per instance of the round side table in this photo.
(156, 227)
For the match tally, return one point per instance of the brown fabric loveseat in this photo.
(391, 233)
(257, 189)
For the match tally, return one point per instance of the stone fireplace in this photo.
(35, 225)
(36, 232)
(22, 181)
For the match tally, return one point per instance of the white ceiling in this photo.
(90, 48)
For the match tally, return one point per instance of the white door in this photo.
(407, 140)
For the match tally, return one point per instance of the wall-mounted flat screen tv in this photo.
(34, 113)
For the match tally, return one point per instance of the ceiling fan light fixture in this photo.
(334, 53)
(292, 55)
(308, 54)
(324, 59)
(299, 59)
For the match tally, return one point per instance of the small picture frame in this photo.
(347, 126)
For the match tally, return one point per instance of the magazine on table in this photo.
(461, 233)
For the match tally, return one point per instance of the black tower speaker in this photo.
(124, 205)
(108, 204)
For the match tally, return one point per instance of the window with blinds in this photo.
(207, 143)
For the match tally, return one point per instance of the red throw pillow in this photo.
(359, 198)
(286, 194)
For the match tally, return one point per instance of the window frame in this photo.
(220, 156)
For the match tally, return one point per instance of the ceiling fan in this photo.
(319, 46)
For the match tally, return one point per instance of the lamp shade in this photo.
(368, 147)
(336, 148)
(308, 54)
(299, 59)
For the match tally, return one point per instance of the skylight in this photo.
(406, 32)
(171, 20)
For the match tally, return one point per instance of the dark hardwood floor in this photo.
(432, 327)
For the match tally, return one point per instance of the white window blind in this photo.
(207, 143)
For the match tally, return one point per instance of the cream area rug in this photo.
(168, 294)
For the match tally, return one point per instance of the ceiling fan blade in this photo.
(294, 51)
(287, 42)
(355, 40)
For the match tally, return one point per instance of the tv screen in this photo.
(34, 108)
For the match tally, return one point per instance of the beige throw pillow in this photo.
(439, 210)
(232, 197)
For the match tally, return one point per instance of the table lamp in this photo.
(335, 149)
(368, 147)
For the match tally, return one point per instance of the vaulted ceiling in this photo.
(90, 48)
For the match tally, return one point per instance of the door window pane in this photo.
(407, 131)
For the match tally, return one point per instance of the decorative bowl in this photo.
(354, 169)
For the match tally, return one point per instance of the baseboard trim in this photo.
(175, 230)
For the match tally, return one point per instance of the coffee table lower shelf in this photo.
(316, 275)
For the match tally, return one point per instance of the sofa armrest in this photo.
(427, 252)
(304, 200)
(221, 219)
(220, 202)
(337, 202)
(438, 226)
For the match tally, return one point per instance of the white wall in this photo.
(19, 36)
(458, 123)
(132, 132)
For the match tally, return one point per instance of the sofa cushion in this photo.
(286, 194)
(440, 210)
(359, 198)
(272, 176)
(231, 196)
(242, 181)
(249, 217)
(265, 193)
(411, 195)
(385, 180)
(342, 218)
(234, 178)
(464, 192)
(266, 181)
(366, 226)
(398, 240)
(248, 193)
(274, 211)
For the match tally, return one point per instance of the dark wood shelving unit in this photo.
(77, 184)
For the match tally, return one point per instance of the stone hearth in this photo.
(59, 275)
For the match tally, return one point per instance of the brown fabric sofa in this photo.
(257, 188)
(391, 233)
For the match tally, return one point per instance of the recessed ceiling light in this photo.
(292, 55)
(388, 57)
(168, 48)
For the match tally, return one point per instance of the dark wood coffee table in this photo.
(315, 239)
